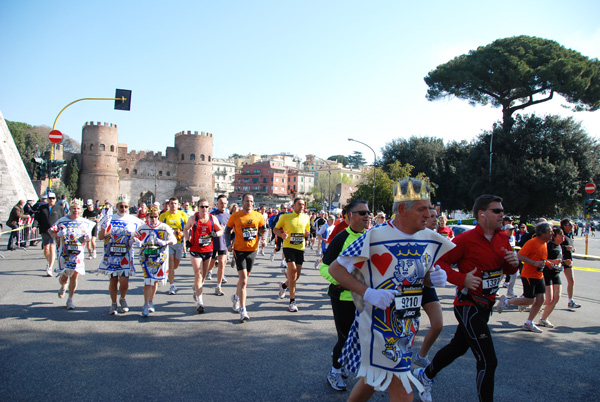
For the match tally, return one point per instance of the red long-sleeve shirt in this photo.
(474, 250)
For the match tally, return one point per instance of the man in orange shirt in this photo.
(534, 255)
(248, 226)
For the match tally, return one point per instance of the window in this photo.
(295, 179)
(168, 173)
(91, 147)
(102, 147)
(246, 180)
(256, 171)
(160, 172)
(201, 157)
(264, 179)
(126, 171)
(112, 148)
(134, 171)
(283, 179)
(255, 180)
(302, 179)
(209, 158)
(182, 157)
(192, 157)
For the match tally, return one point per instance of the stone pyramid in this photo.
(15, 183)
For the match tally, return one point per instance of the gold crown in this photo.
(410, 194)
(123, 198)
(153, 209)
(77, 202)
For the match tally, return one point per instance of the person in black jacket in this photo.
(13, 222)
(46, 215)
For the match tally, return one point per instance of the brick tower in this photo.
(194, 168)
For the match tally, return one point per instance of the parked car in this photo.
(458, 229)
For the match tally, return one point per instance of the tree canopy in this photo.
(340, 159)
(517, 72)
(356, 160)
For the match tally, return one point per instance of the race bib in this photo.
(204, 241)
(249, 233)
(152, 251)
(491, 281)
(73, 249)
(408, 302)
(296, 238)
(118, 250)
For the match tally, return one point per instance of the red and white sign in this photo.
(590, 188)
(55, 136)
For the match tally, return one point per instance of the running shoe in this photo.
(572, 304)
(61, 291)
(151, 308)
(113, 309)
(273, 256)
(261, 252)
(531, 328)
(70, 305)
(124, 306)
(224, 279)
(218, 291)
(90, 257)
(336, 381)
(209, 276)
(510, 295)
(236, 303)
(244, 315)
(345, 371)
(545, 323)
(420, 361)
(48, 270)
(94, 254)
(283, 264)
(281, 290)
(501, 304)
(522, 309)
(427, 384)
(200, 308)
(317, 251)
(172, 289)
(145, 311)
(317, 263)
(293, 308)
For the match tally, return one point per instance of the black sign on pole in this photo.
(123, 99)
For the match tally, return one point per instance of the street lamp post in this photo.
(374, 160)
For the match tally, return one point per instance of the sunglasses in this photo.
(496, 210)
(153, 216)
(123, 206)
(362, 213)
(203, 206)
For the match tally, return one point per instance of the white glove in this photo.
(161, 243)
(62, 232)
(381, 298)
(438, 277)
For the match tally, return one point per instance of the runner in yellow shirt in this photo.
(293, 228)
(176, 219)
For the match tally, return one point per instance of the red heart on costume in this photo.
(382, 262)
(143, 235)
(124, 261)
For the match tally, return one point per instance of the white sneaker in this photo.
(145, 311)
(224, 279)
(151, 308)
(94, 254)
(113, 309)
(218, 291)
(261, 252)
(281, 290)
(532, 328)
(293, 308)
(336, 381)
(200, 308)
(545, 323)
(70, 305)
(421, 361)
(317, 263)
(172, 289)
(61, 291)
(236, 303)
(283, 264)
(209, 276)
(273, 256)
(244, 315)
(124, 306)
(501, 304)
(427, 384)
(48, 271)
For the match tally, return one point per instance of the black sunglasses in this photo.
(496, 210)
(362, 213)
(203, 206)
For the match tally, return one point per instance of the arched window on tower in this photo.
(126, 170)
(101, 147)
(91, 147)
(182, 157)
(192, 157)
(168, 173)
(134, 171)
(201, 157)
(160, 172)
(209, 158)
(112, 148)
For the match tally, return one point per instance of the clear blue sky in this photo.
(266, 76)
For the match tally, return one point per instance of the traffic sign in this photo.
(590, 188)
(55, 136)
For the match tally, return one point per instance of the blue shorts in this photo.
(429, 295)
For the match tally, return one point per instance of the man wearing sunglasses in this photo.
(482, 255)
(177, 219)
(118, 232)
(386, 269)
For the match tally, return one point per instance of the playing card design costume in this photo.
(73, 233)
(118, 253)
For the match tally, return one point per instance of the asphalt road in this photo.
(49, 353)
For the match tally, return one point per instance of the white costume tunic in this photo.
(154, 259)
(380, 341)
(118, 253)
(70, 256)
